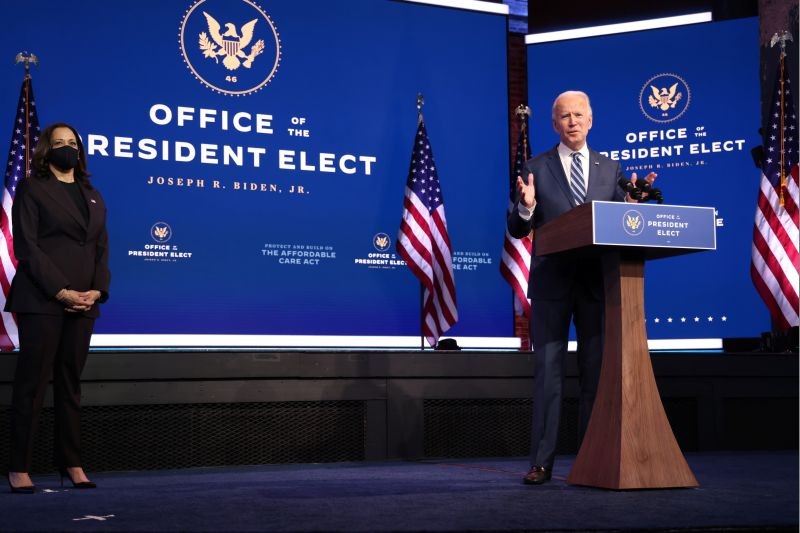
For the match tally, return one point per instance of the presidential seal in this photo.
(381, 242)
(161, 232)
(230, 46)
(664, 97)
(633, 222)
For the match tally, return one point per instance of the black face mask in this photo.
(64, 157)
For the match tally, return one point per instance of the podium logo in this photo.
(633, 222)
(381, 242)
(161, 232)
(664, 97)
(231, 47)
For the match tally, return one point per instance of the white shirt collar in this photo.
(564, 151)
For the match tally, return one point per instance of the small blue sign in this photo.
(654, 225)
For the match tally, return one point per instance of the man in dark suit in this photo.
(562, 287)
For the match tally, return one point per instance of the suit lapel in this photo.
(557, 170)
(62, 199)
(92, 203)
(594, 167)
(595, 176)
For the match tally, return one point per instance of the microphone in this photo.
(625, 184)
(656, 195)
(628, 186)
(644, 187)
(638, 189)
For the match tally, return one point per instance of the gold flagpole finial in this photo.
(523, 113)
(27, 58)
(781, 37)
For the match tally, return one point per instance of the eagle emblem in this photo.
(230, 44)
(633, 222)
(665, 99)
(381, 242)
(161, 232)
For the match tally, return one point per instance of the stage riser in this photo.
(475, 405)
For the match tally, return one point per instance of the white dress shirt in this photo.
(565, 154)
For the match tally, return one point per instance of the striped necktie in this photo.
(576, 181)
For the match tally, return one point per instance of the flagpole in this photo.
(781, 38)
(26, 59)
(420, 103)
(523, 112)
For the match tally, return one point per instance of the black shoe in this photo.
(537, 475)
(28, 489)
(64, 473)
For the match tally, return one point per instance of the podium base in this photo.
(629, 443)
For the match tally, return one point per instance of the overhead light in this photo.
(623, 27)
(473, 5)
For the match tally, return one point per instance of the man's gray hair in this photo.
(571, 93)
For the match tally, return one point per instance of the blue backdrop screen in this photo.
(682, 102)
(253, 157)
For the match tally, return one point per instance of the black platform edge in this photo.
(213, 364)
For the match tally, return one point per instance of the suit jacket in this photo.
(55, 247)
(553, 277)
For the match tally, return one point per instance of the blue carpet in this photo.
(738, 492)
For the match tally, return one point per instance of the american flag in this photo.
(424, 243)
(516, 258)
(774, 266)
(23, 139)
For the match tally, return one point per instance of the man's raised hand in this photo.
(526, 191)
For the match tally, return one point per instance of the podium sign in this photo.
(629, 443)
(654, 226)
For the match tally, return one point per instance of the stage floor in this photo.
(738, 492)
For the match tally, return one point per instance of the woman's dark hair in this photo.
(41, 167)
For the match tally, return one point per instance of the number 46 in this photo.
(231, 79)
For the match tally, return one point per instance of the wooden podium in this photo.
(629, 443)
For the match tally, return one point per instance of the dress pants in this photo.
(50, 346)
(550, 320)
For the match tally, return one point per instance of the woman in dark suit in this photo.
(61, 246)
